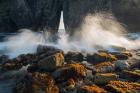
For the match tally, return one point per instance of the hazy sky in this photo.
(61, 26)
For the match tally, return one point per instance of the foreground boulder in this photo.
(36, 83)
(91, 89)
(19, 62)
(122, 55)
(33, 68)
(123, 87)
(104, 67)
(72, 70)
(121, 65)
(130, 75)
(52, 62)
(47, 50)
(70, 84)
(11, 65)
(101, 57)
(74, 56)
(135, 65)
(4, 58)
(102, 79)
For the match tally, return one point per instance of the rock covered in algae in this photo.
(104, 67)
(74, 56)
(123, 87)
(52, 62)
(91, 89)
(35, 83)
(104, 78)
(71, 70)
(101, 57)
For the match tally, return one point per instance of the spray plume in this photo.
(98, 31)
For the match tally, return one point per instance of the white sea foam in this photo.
(98, 31)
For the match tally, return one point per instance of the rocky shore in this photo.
(50, 70)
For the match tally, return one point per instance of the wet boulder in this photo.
(101, 57)
(122, 55)
(74, 56)
(12, 65)
(4, 58)
(48, 50)
(27, 59)
(71, 70)
(123, 87)
(91, 89)
(19, 62)
(121, 65)
(35, 83)
(70, 84)
(104, 67)
(75, 70)
(52, 62)
(33, 68)
(130, 75)
(104, 78)
(135, 64)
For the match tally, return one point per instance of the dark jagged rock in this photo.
(44, 51)
(33, 68)
(135, 65)
(123, 87)
(104, 67)
(121, 65)
(104, 78)
(74, 56)
(12, 65)
(101, 57)
(91, 89)
(71, 70)
(27, 59)
(18, 62)
(36, 82)
(130, 75)
(4, 58)
(122, 55)
(52, 62)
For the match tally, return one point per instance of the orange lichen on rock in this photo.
(128, 54)
(104, 67)
(52, 62)
(70, 84)
(43, 81)
(101, 57)
(36, 82)
(91, 89)
(74, 70)
(103, 64)
(122, 87)
(123, 55)
(106, 56)
(104, 78)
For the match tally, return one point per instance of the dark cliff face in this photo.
(75, 11)
(127, 12)
(32, 14)
(45, 14)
